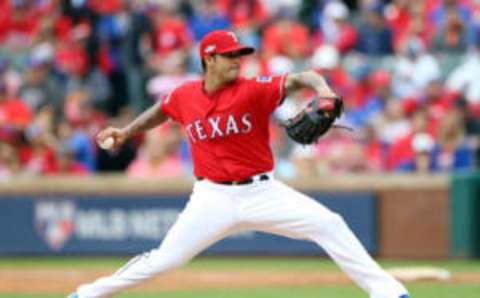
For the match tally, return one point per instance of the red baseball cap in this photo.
(221, 42)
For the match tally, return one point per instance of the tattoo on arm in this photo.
(147, 120)
(308, 79)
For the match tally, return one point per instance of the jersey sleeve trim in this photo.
(282, 89)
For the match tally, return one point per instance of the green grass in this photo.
(417, 290)
(236, 263)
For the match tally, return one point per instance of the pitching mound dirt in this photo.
(64, 281)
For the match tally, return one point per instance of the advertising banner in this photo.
(70, 224)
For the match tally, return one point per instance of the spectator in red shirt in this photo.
(65, 163)
(106, 6)
(408, 19)
(286, 37)
(15, 115)
(435, 99)
(248, 17)
(244, 13)
(71, 57)
(452, 151)
(72, 61)
(171, 32)
(438, 100)
(401, 149)
(18, 24)
(398, 15)
(421, 162)
(362, 86)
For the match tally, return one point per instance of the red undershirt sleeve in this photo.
(171, 106)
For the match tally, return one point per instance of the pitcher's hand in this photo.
(118, 135)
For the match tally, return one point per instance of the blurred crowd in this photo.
(408, 71)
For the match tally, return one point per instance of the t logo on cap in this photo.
(233, 36)
(221, 42)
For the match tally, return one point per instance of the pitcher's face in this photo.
(225, 66)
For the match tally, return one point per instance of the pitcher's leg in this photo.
(197, 227)
(290, 213)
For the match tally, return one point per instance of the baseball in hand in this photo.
(107, 143)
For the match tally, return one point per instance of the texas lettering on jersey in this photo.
(218, 127)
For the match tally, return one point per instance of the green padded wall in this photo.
(465, 215)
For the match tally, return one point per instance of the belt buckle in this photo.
(235, 182)
(263, 177)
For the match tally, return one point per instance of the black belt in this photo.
(262, 177)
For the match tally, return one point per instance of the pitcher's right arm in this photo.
(145, 121)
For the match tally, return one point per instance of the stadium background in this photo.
(406, 179)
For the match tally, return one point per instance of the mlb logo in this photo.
(54, 221)
(264, 79)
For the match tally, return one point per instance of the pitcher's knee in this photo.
(329, 223)
(337, 219)
(161, 261)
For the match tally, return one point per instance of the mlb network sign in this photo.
(59, 221)
(126, 225)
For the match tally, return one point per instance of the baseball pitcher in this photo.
(226, 120)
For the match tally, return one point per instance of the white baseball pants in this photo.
(215, 211)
